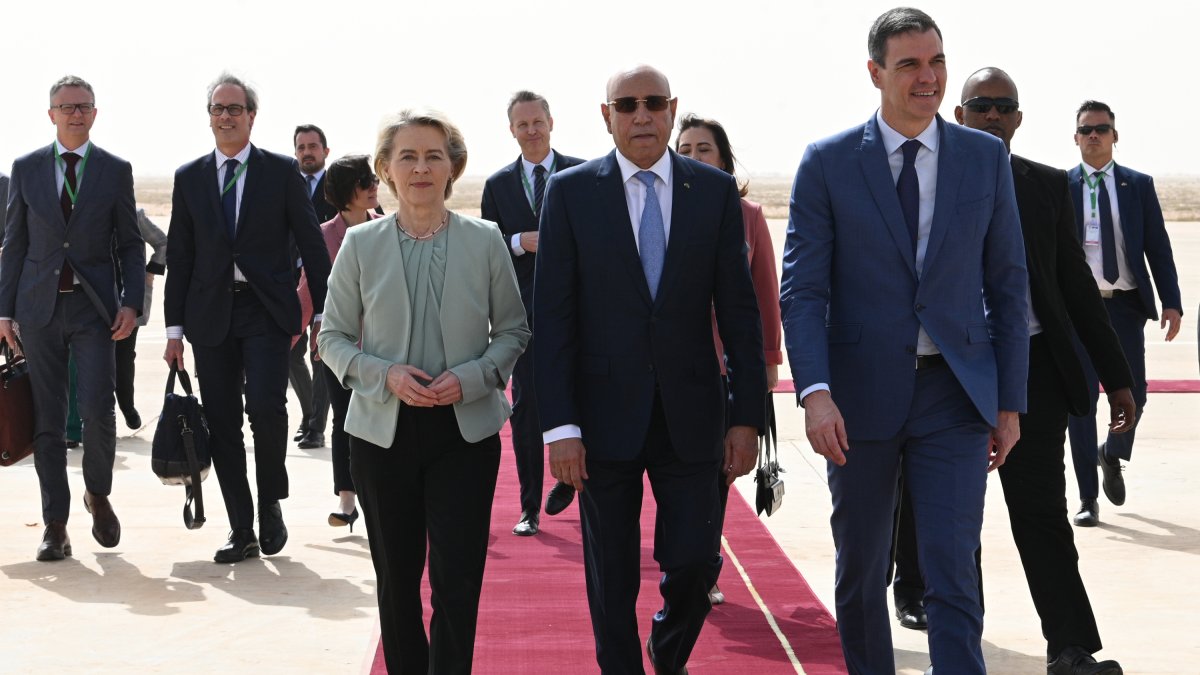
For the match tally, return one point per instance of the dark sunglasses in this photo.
(628, 104)
(983, 104)
(1087, 130)
(368, 181)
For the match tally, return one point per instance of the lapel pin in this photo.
(687, 185)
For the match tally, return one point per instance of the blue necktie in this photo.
(229, 199)
(1108, 236)
(909, 190)
(652, 238)
(539, 189)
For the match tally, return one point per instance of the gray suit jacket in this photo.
(101, 240)
(368, 322)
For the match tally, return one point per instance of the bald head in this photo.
(985, 76)
(989, 103)
(642, 114)
(637, 72)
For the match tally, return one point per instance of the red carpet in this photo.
(533, 615)
(1152, 386)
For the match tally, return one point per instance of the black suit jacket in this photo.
(506, 203)
(604, 347)
(1061, 286)
(200, 256)
(325, 210)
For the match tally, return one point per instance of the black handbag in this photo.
(16, 408)
(180, 454)
(768, 491)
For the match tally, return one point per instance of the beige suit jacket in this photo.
(482, 320)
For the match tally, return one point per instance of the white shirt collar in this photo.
(661, 168)
(316, 175)
(893, 139)
(81, 150)
(547, 163)
(241, 157)
(1107, 168)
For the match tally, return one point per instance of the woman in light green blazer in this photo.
(423, 323)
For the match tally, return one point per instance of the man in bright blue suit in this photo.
(904, 298)
(1120, 223)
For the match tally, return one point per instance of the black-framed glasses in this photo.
(984, 104)
(1087, 129)
(70, 108)
(628, 104)
(216, 109)
(368, 181)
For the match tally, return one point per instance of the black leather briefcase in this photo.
(179, 454)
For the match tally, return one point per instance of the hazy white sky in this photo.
(777, 74)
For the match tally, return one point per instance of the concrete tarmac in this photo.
(157, 602)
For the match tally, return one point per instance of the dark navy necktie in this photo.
(909, 190)
(1108, 236)
(539, 189)
(229, 198)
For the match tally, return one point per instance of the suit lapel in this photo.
(878, 175)
(1075, 183)
(50, 181)
(1124, 194)
(517, 187)
(212, 195)
(951, 167)
(254, 170)
(1026, 188)
(612, 194)
(682, 217)
(96, 164)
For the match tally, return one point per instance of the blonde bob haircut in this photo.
(456, 147)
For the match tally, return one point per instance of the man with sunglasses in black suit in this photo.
(1063, 301)
(1120, 223)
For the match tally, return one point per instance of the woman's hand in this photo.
(402, 381)
(447, 388)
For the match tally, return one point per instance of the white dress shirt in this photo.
(60, 168)
(1091, 221)
(635, 200)
(548, 164)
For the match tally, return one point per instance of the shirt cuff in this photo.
(515, 244)
(820, 386)
(174, 332)
(561, 433)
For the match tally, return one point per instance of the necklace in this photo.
(431, 235)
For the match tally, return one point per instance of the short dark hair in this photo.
(724, 147)
(71, 81)
(1095, 106)
(525, 96)
(308, 128)
(228, 78)
(895, 22)
(343, 177)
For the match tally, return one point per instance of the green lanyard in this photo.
(71, 193)
(233, 181)
(525, 180)
(1093, 184)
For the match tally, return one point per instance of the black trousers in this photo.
(339, 402)
(253, 354)
(430, 485)
(687, 534)
(528, 448)
(126, 351)
(311, 391)
(1035, 487)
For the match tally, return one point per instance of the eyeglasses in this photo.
(984, 104)
(368, 181)
(1087, 130)
(70, 108)
(628, 104)
(216, 110)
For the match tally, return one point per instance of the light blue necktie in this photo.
(652, 237)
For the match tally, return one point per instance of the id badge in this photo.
(1091, 233)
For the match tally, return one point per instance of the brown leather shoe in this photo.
(105, 526)
(55, 545)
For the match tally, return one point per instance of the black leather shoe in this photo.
(270, 526)
(911, 614)
(343, 519)
(528, 525)
(559, 498)
(1089, 514)
(661, 670)
(71, 445)
(242, 544)
(55, 545)
(1114, 482)
(1076, 661)
(312, 439)
(300, 433)
(132, 419)
(105, 526)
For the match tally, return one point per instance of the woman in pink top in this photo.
(705, 140)
(353, 189)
